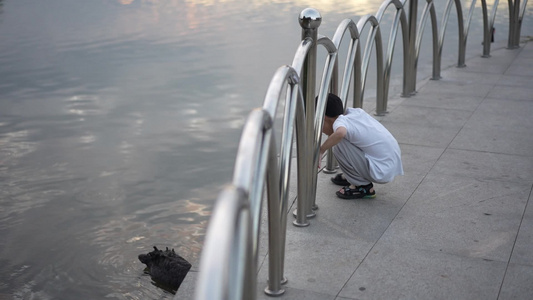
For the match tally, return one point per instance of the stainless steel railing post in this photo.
(310, 20)
(515, 22)
(512, 28)
(399, 19)
(275, 272)
(328, 83)
(462, 37)
(410, 84)
(331, 163)
(428, 9)
(373, 39)
(466, 27)
(519, 22)
(301, 144)
(486, 30)
(278, 177)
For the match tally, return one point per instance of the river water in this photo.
(119, 124)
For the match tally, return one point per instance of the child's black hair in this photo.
(334, 106)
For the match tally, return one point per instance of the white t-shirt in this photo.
(380, 147)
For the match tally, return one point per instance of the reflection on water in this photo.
(119, 123)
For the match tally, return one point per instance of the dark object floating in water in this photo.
(166, 267)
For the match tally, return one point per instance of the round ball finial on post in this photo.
(310, 18)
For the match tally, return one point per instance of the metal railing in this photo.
(228, 266)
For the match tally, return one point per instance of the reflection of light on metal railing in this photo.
(229, 260)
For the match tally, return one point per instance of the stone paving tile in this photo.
(418, 159)
(527, 50)
(429, 117)
(485, 215)
(494, 114)
(318, 260)
(498, 63)
(424, 126)
(485, 166)
(445, 100)
(522, 253)
(515, 80)
(521, 69)
(469, 75)
(428, 135)
(521, 66)
(512, 92)
(501, 126)
(518, 283)
(495, 140)
(390, 272)
(364, 219)
(464, 88)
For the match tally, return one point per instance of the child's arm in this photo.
(333, 139)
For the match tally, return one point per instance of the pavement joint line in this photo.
(514, 243)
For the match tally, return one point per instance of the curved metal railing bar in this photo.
(519, 22)
(228, 267)
(461, 31)
(227, 278)
(461, 62)
(303, 179)
(315, 119)
(516, 15)
(374, 38)
(353, 59)
(327, 78)
(488, 26)
(251, 165)
(399, 18)
(428, 8)
(462, 35)
(278, 185)
(250, 169)
(410, 84)
(231, 259)
(350, 68)
(512, 19)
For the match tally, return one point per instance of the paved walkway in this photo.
(458, 224)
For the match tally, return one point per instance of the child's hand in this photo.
(320, 157)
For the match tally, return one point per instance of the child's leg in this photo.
(353, 163)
